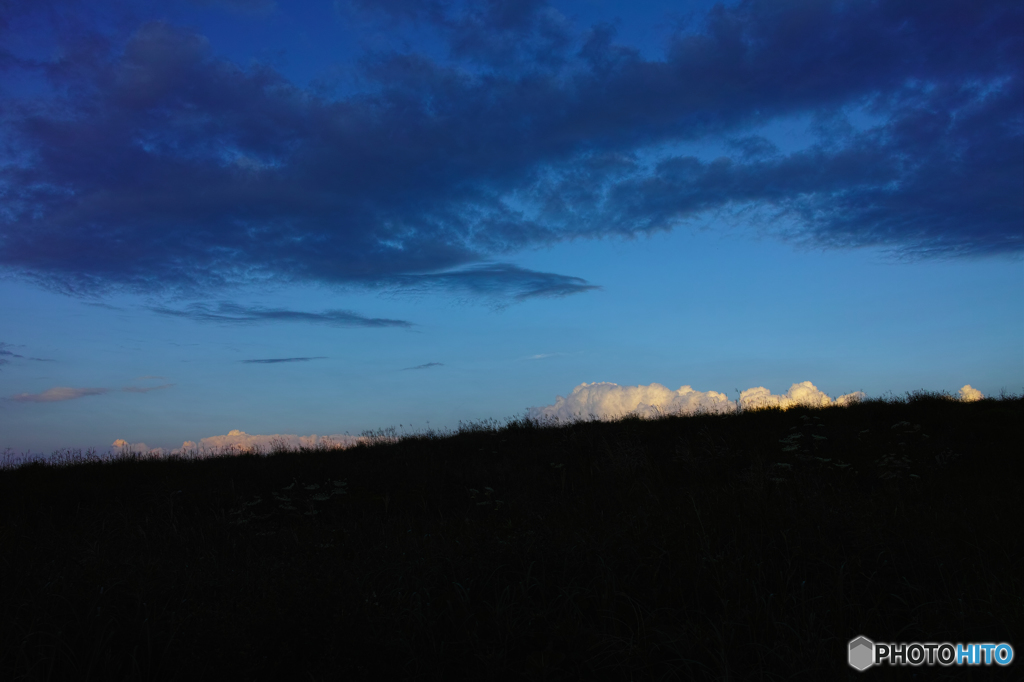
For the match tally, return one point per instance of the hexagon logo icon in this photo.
(862, 653)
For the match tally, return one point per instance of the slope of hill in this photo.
(743, 546)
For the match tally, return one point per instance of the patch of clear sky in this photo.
(715, 310)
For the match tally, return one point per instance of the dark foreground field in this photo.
(741, 547)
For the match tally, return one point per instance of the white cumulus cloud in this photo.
(605, 401)
(139, 448)
(804, 393)
(968, 394)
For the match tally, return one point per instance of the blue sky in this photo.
(320, 218)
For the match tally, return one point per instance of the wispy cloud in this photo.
(105, 306)
(58, 394)
(542, 356)
(274, 361)
(6, 355)
(149, 377)
(145, 389)
(500, 282)
(426, 366)
(233, 313)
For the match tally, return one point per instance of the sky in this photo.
(228, 221)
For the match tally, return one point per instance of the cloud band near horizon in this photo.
(62, 393)
(608, 401)
(58, 394)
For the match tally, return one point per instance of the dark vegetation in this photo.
(743, 547)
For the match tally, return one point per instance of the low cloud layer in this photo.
(61, 393)
(608, 401)
(138, 158)
(120, 446)
(805, 394)
(603, 401)
(58, 394)
(240, 441)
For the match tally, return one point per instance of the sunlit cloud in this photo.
(123, 446)
(805, 394)
(602, 400)
(61, 393)
(58, 394)
(969, 394)
(606, 401)
(240, 441)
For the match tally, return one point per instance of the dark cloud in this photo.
(274, 361)
(152, 165)
(510, 34)
(236, 314)
(497, 280)
(937, 180)
(426, 366)
(753, 146)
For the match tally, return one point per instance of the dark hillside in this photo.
(742, 547)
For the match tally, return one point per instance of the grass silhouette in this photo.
(749, 546)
